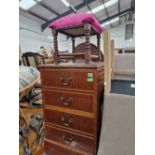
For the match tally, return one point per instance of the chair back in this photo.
(33, 59)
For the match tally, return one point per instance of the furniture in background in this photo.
(124, 50)
(28, 77)
(33, 59)
(73, 91)
(123, 64)
(94, 51)
(49, 59)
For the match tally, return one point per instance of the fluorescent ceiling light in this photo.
(103, 6)
(111, 21)
(38, 0)
(66, 3)
(26, 4)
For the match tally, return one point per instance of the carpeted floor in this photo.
(122, 87)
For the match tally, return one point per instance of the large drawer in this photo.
(68, 79)
(67, 99)
(69, 139)
(70, 121)
(53, 149)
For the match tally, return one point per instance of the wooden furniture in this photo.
(24, 91)
(72, 92)
(84, 51)
(107, 63)
(123, 63)
(94, 51)
(78, 25)
(33, 59)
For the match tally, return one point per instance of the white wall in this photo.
(30, 36)
(118, 34)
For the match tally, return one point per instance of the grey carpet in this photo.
(118, 125)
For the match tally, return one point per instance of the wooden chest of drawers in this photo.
(72, 96)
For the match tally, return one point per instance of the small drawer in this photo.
(67, 99)
(69, 139)
(68, 79)
(53, 149)
(70, 121)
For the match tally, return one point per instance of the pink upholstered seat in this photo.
(76, 20)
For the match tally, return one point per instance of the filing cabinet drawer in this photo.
(69, 139)
(67, 99)
(70, 121)
(53, 149)
(68, 79)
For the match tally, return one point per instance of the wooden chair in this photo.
(94, 54)
(33, 59)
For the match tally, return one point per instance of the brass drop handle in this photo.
(66, 103)
(65, 82)
(66, 122)
(66, 139)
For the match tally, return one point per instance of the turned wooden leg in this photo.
(55, 55)
(87, 43)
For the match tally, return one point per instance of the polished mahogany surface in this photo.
(66, 79)
(56, 150)
(72, 97)
(69, 99)
(67, 138)
(70, 121)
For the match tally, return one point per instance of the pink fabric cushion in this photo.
(75, 20)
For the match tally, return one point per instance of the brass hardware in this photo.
(66, 103)
(66, 121)
(65, 82)
(65, 79)
(66, 139)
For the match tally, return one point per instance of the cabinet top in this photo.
(80, 65)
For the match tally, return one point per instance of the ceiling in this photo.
(46, 11)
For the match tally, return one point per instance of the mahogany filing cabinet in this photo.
(72, 97)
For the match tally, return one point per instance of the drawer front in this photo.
(53, 149)
(69, 100)
(69, 139)
(68, 79)
(70, 121)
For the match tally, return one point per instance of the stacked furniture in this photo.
(72, 92)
